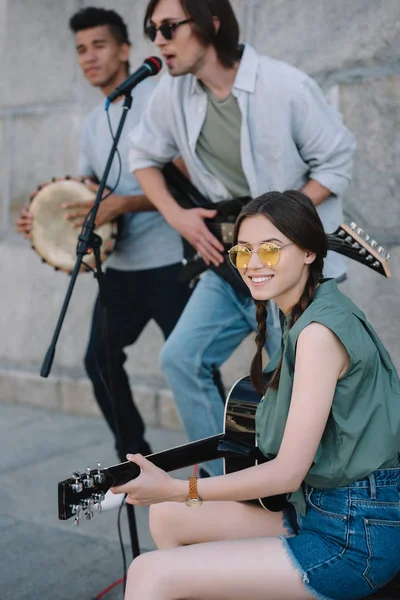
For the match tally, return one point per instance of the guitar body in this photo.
(188, 196)
(240, 411)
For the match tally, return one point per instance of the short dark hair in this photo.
(91, 16)
(225, 40)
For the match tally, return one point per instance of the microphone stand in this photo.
(90, 240)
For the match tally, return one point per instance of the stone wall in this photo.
(351, 48)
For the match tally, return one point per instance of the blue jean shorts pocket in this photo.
(382, 537)
(329, 503)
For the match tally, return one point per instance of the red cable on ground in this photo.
(110, 587)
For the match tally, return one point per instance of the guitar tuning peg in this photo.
(76, 509)
(349, 239)
(373, 243)
(353, 225)
(342, 233)
(99, 477)
(87, 506)
(359, 231)
(363, 252)
(77, 486)
(99, 498)
(366, 237)
(387, 256)
(381, 250)
(376, 264)
(88, 479)
(369, 258)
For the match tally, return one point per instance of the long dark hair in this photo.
(225, 40)
(295, 216)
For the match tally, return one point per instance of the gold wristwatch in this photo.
(193, 499)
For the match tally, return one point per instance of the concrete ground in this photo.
(43, 558)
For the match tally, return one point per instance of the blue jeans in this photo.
(213, 324)
(348, 544)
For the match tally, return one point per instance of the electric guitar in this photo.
(351, 241)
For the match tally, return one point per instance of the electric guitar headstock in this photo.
(353, 242)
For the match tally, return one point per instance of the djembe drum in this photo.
(53, 237)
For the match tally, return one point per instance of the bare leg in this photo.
(241, 558)
(249, 569)
(173, 524)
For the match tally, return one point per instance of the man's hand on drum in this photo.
(109, 209)
(24, 222)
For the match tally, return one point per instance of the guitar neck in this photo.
(85, 490)
(169, 460)
(187, 455)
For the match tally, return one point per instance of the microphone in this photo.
(151, 66)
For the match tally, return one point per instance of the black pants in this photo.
(133, 299)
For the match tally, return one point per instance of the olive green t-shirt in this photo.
(218, 145)
(363, 430)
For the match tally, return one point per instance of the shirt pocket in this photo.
(383, 543)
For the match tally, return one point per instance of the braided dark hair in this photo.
(293, 213)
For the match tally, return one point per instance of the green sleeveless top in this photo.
(363, 430)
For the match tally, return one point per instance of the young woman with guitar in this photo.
(329, 423)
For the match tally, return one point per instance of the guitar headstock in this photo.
(354, 243)
(78, 495)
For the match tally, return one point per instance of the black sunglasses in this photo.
(167, 29)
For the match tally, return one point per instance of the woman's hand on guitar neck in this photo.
(152, 486)
(190, 224)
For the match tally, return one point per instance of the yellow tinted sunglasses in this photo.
(268, 253)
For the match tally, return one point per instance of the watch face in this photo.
(193, 502)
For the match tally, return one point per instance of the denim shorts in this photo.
(348, 544)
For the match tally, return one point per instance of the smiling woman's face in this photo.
(285, 282)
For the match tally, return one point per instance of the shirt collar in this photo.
(246, 75)
(326, 286)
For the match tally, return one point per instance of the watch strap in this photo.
(193, 493)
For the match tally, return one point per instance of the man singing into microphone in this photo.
(141, 276)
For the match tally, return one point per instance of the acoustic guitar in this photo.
(236, 444)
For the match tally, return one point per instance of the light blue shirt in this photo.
(289, 134)
(145, 241)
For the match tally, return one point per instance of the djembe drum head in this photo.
(53, 237)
